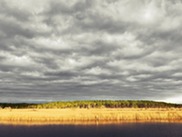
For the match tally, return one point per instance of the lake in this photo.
(110, 130)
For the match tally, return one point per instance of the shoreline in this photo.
(89, 116)
(80, 123)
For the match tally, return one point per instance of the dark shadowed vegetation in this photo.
(94, 104)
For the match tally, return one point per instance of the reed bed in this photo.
(72, 115)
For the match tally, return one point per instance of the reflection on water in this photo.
(111, 130)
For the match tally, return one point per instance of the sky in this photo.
(54, 50)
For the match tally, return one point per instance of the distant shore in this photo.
(92, 115)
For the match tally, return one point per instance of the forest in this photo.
(92, 104)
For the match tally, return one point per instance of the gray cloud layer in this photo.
(90, 49)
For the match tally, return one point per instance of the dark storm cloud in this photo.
(62, 7)
(88, 49)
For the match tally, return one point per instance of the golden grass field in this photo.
(106, 115)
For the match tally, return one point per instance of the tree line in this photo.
(94, 104)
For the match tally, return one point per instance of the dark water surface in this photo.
(111, 130)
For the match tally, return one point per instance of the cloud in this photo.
(87, 49)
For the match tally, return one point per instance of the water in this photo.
(112, 130)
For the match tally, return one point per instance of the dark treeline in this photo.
(94, 104)
(16, 105)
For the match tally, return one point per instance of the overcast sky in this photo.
(90, 49)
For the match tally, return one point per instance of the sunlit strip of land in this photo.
(73, 115)
(103, 111)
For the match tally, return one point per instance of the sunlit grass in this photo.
(92, 114)
(91, 111)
